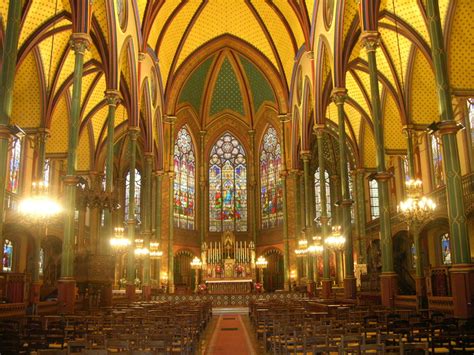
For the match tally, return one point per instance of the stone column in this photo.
(462, 271)
(326, 290)
(133, 133)
(361, 214)
(66, 283)
(171, 120)
(202, 191)
(283, 175)
(252, 202)
(309, 213)
(7, 77)
(146, 224)
(388, 279)
(158, 203)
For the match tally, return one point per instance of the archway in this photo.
(183, 274)
(273, 274)
(403, 260)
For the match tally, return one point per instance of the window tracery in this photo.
(317, 193)
(15, 161)
(138, 184)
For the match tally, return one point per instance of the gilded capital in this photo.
(134, 132)
(169, 119)
(370, 40)
(112, 97)
(284, 117)
(339, 96)
(80, 42)
(305, 155)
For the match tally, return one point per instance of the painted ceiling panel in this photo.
(399, 58)
(141, 8)
(350, 11)
(194, 88)
(287, 11)
(165, 11)
(227, 94)
(58, 43)
(26, 110)
(173, 35)
(369, 148)
(58, 143)
(234, 18)
(354, 91)
(424, 101)
(120, 115)
(98, 122)
(392, 125)
(100, 14)
(310, 8)
(461, 49)
(355, 119)
(280, 37)
(96, 96)
(260, 88)
(84, 159)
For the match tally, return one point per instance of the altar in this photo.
(229, 286)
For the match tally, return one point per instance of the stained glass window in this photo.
(227, 186)
(317, 193)
(138, 184)
(270, 182)
(47, 172)
(351, 189)
(437, 160)
(184, 180)
(446, 249)
(374, 199)
(406, 169)
(15, 161)
(470, 108)
(7, 255)
(41, 261)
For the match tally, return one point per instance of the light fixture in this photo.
(155, 252)
(118, 242)
(196, 263)
(261, 262)
(39, 208)
(416, 208)
(302, 247)
(336, 240)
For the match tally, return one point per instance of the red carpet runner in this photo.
(230, 337)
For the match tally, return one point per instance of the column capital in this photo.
(113, 97)
(449, 127)
(170, 119)
(284, 117)
(133, 131)
(141, 56)
(370, 40)
(305, 155)
(80, 42)
(339, 95)
(159, 173)
(382, 176)
(149, 156)
(202, 133)
(70, 180)
(310, 54)
(251, 132)
(319, 129)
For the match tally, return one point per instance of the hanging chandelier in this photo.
(118, 242)
(261, 262)
(39, 208)
(416, 208)
(336, 240)
(155, 252)
(196, 263)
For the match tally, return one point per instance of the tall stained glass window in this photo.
(138, 184)
(437, 160)
(15, 161)
(446, 249)
(184, 180)
(374, 199)
(317, 192)
(47, 172)
(7, 259)
(270, 182)
(41, 261)
(227, 186)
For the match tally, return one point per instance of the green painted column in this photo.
(158, 222)
(113, 98)
(324, 220)
(309, 210)
(7, 77)
(171, 120)
(361, 214)
(202, 186)
(133, 133)
(283, 175)
(410, 136)
(448, 129)
(388, 278)
(146, 223)
(350, 287)
(253, 190)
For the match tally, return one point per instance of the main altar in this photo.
(228, 265)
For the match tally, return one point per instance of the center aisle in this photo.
(230, 336)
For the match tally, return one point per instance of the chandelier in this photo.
(336, 240)
(302, 247)
(155, 252)
(94, 198)
(196, 263)
(416, 208)
(261, 262)
(39, 208)
(118, 242)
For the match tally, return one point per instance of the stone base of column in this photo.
(326, 289)
(66, 295)
(421, 300)
(462, 285)
(146, 293)
(311, 288)
(35, 292)
(388, 288)
(286, 286)
(171, 288)
(106, 299)
(350, 287)
(130, 292)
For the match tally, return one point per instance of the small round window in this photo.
(328, 12)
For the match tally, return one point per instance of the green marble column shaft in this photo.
(158, 202)
(146, 215)
(339, 97)
(131, 218)
(202, 186)
(79, 43)
(171, 121)
(7, 77)
(322, 193)
(253, 190)
(113, 99)
(371, 41)
(283, 176)
(309, 214)
(361, 214)
(448, 129)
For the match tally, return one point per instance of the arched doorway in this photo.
(404, 262)
(273, 274)
(183, 274)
